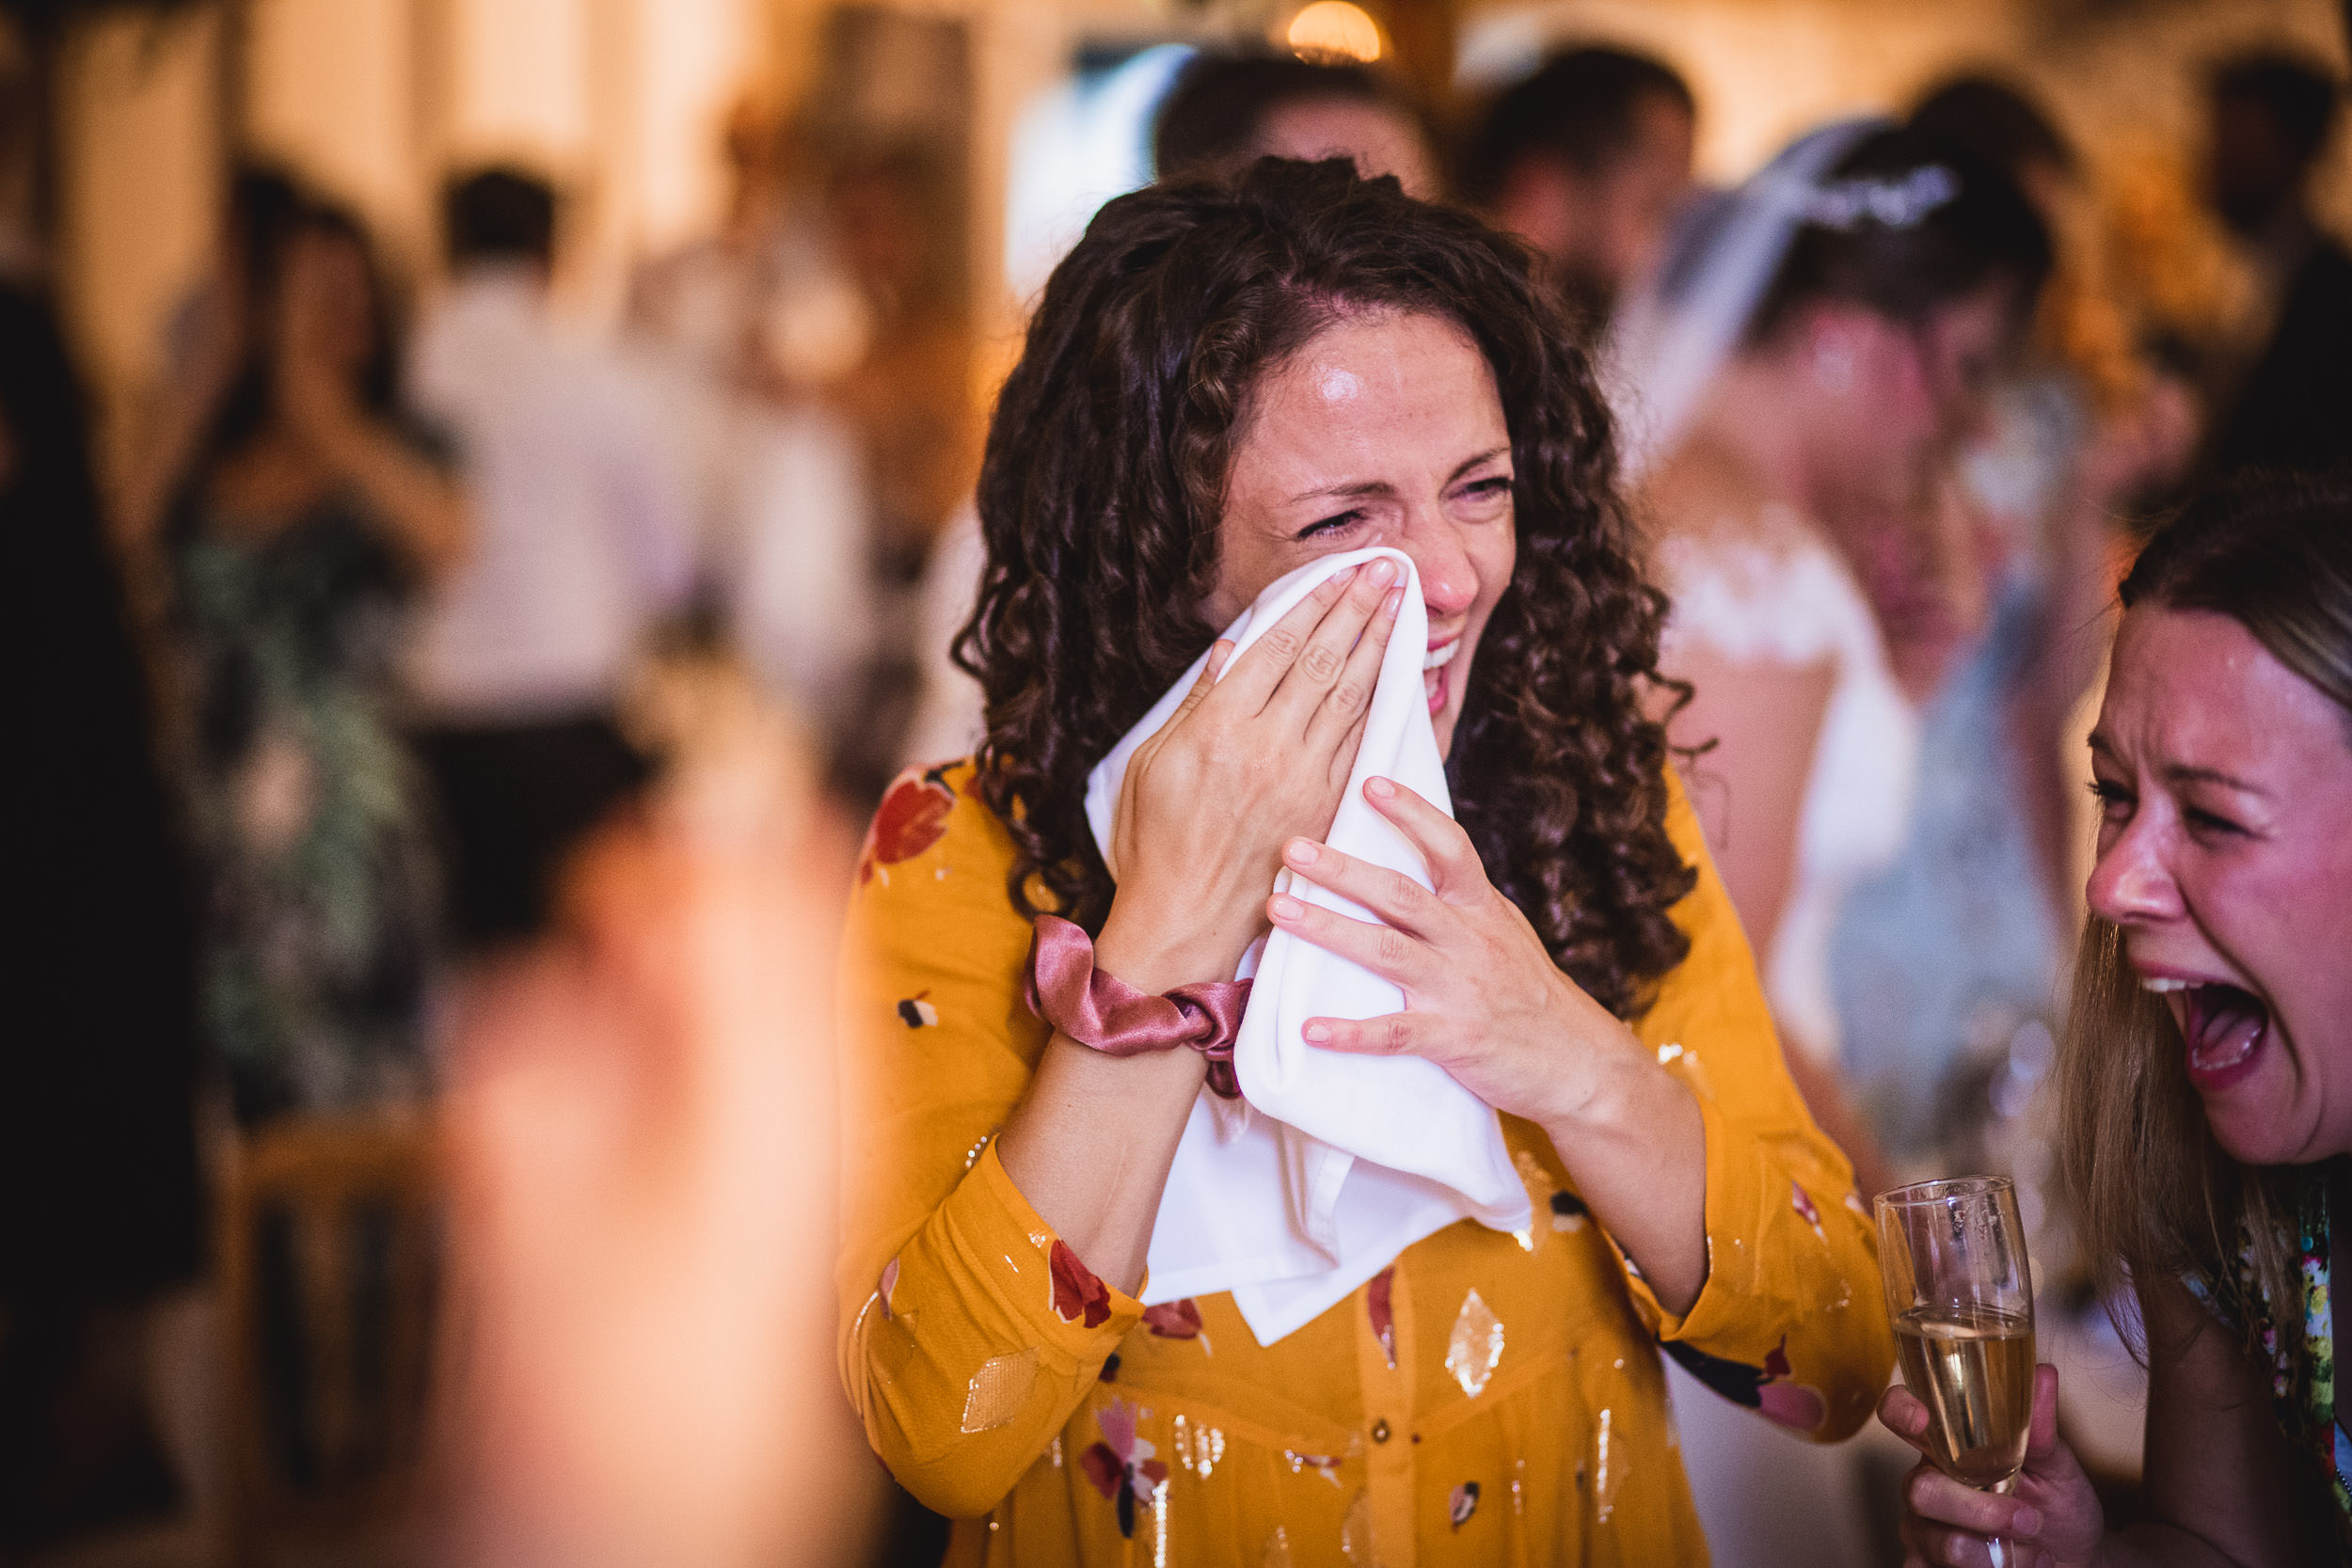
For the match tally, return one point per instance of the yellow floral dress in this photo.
(1488, 1399)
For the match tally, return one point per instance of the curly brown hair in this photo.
(1104, 481)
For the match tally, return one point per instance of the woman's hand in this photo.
(2052, 1520)
(1246, 763)
(1483, 999)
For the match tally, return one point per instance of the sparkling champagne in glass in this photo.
(1952, 1255)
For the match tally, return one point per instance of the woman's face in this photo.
(1384, 429)
(2225, 857)
(1904, 396)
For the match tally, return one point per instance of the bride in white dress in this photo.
(1816, 346)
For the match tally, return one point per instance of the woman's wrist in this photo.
(1608, 1093)
(1158, 957)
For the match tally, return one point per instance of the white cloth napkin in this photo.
(1331, 1165)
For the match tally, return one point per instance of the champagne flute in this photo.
(1952, 1255)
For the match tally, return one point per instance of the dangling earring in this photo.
(1833, 366)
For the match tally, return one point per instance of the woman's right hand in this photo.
(1246, 764)
(2052, 1520)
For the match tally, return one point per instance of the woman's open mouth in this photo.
(1432, 675)
(2225, 1027)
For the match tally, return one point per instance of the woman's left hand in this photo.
(1483, 999)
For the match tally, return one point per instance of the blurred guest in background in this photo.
(99, 1198)
(305, 520)
(582, 542)
(1588, 160)
(2272, 116)
(1822, 339)
(1863, 270)
(1942, 956)
(1226, 110)
(893, 219)
(206, 342)
(743, 327)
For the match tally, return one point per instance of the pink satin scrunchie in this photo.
(1104, 1013)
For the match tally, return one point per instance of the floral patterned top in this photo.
(1488, 1399)
(318, 864)
(2300, 1346)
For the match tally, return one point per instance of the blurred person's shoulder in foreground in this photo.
(641, 1130)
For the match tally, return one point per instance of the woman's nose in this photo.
(1449, 577)
(2130, 885)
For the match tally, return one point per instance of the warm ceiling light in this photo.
(1333, 30)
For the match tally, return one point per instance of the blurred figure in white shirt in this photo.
(582, 544)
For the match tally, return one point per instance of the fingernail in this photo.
(1383, 570)
(1317, 1032)
(1380, 788)
(1287, 908)
(2025, 1521)
(1302, 850)
(1394, 602)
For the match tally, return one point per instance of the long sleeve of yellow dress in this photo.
(1489, 1398)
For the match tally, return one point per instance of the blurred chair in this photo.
(330, 1242)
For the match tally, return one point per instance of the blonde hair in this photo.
(2153, 1196)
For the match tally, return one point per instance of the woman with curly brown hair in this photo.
(1222, 384)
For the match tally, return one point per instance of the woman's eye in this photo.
(2114, 797)
(1331, 525)
(1489, 489)
(2205, 822)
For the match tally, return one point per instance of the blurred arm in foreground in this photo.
(640, 1129)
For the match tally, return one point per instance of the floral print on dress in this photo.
(913, 817)
(1381, 1309)
(916, 1011)
(1771, 1389)
(1122, 1465)
(310, 821)
(1175, 1320)
(2303, 1362)
(1462, 1504)
(1078, 1295)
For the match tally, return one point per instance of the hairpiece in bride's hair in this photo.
(1846, 204)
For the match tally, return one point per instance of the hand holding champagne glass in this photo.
(1952, 1255)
